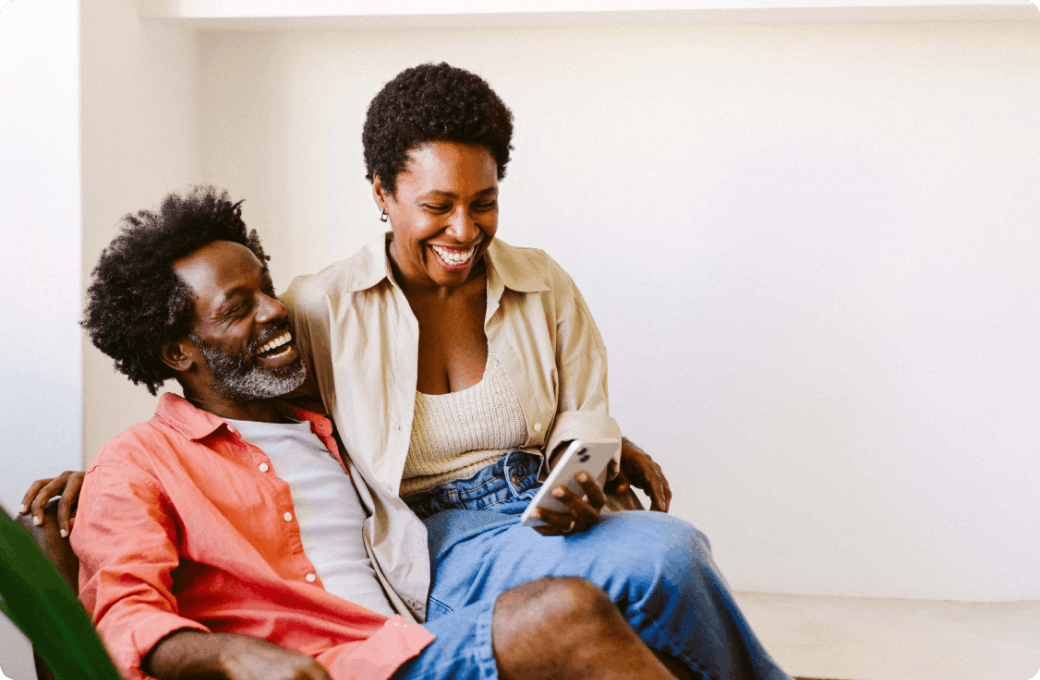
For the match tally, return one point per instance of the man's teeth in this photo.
(280, 354)
(277, 342)
(454, 257)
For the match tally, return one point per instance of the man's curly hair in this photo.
(136, 302)
(433, 103)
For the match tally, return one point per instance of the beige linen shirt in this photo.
(360, 342)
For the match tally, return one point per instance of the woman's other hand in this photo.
(638, 469)
(583, 513)
(67, 485)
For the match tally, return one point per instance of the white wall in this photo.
(40, 368)
(132, 86)
(140, 141)
(811, 250)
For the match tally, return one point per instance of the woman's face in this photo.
(444, 215)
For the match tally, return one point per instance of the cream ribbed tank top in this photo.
(454, 435)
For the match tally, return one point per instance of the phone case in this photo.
(591, 456)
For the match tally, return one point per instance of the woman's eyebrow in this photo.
(448, 194)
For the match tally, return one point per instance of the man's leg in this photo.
(550, 629)
(568, 628)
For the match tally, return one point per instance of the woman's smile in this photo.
(454, 258)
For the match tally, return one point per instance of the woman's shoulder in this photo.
(362, 270)
(525, 268)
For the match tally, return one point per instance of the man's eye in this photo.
(486, 205)
(238, 311)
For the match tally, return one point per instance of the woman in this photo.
(453, 363)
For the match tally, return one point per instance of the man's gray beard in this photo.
(240, 379)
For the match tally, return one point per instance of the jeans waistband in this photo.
(505, 479)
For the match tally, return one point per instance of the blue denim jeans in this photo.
(656, 568)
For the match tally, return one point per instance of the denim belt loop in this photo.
(520, 469)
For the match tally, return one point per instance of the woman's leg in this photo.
(657, 569)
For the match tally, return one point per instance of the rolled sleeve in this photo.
(581, 358)
(126, 540)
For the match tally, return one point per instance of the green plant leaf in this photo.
(34, 596)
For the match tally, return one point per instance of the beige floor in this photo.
(878, 639)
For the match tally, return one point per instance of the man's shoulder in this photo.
(140, 444)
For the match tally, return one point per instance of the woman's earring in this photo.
(383, 217)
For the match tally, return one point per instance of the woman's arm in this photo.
(67, 486)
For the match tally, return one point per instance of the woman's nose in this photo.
(461, 227)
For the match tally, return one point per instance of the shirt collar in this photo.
(371, 265)
(195, 424)
(506, 262)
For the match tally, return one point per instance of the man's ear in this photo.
(178, 354)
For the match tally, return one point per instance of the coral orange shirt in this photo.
(183, 524)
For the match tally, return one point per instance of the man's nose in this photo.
(270, 309)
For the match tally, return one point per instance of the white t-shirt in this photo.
(328, 509)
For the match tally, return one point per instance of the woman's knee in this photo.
(651, 547)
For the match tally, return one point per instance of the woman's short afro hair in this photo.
(136, 302)
(433, 103)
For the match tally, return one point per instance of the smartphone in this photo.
(591, 456)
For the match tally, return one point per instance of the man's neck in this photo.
(263, 410)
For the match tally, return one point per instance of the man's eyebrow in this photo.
(231, 297)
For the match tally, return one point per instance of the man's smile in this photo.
(281, 344)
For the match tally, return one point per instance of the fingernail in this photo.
(536, 514)
(582, 477)
(557, 492)
(24, 509)
(37, 520)
(64, 534)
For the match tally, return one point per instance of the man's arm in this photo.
(192, 655)
(126, 539)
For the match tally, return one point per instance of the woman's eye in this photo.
(437, 208)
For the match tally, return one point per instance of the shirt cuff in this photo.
(145, 635)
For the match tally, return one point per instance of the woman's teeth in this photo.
(454, 257)
(277, 342)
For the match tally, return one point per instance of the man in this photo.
(230, 537)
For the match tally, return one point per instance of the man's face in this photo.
(239, 326)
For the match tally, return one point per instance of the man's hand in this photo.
(193, 654)
(638, 469)
(66, 485)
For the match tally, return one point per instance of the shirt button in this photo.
(264, 467)
(537, 427)
(311, 578)
(287, 516)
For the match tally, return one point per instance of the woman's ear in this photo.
(178, 354)
(380, 193)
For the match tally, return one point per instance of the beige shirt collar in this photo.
(372, 265)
